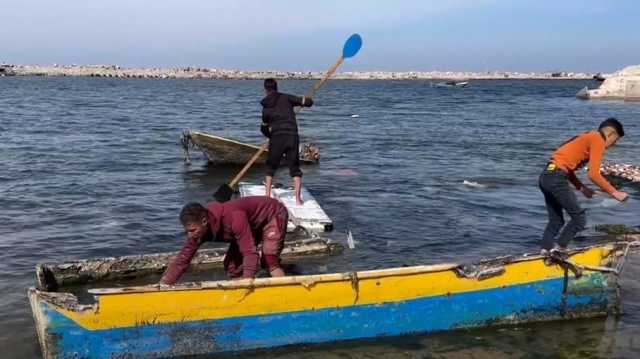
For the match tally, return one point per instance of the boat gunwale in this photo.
(198, 133)
(312, 279)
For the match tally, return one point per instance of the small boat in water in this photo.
(450, 84)
(226, 151)
(598, 77)
(207, 318)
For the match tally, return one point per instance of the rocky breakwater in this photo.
(208, 73)
(7, 70)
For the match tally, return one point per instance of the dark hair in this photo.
(270, 85)
(613, 123)
(192, 213)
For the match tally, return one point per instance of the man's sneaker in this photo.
(559, 249)
(560, 252)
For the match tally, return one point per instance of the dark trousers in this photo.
(558, 195)
(284, 145)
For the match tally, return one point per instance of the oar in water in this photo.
(350, 49)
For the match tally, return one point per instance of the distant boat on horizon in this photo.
(450, 84)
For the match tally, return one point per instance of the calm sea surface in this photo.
(91, 167)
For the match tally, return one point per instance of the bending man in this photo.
(243, 223)
(554, 181)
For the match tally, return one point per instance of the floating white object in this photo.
(473, 184)
(350, 242)
(355, 116)
(309, 216)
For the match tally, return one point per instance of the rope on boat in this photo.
(564, 263)
(355, 285)
(577, 269)
(250, 289)
(628, 248)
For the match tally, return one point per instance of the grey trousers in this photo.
(558, 196)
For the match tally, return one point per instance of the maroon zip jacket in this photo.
(240, 221)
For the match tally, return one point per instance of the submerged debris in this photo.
(616, 229)
(624, 171)
(473, 184)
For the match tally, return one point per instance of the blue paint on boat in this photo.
(529, 302)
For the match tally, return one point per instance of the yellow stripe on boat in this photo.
(136, 306)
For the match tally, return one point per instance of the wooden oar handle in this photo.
(319, 84)
(246, 167)
(329, 73)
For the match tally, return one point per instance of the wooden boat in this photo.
(54, 276)
(226, 151)
(206, 318)
(598, 77)
(451, 84)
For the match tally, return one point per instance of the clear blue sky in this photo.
(476, 35)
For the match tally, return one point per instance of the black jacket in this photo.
(278, 117)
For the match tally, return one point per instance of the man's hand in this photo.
(586, 191)
(620, 196)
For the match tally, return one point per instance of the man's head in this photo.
(612, 130)
(195, 220)
(270, 85)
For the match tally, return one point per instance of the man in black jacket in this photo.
(280, 126)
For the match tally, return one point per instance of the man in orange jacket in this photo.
(554, 181)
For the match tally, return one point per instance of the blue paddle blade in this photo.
(352, 46)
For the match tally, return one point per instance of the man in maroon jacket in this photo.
(243, 223)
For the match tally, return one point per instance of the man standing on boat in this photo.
(280, 126)
(243, 223)
(554, 181)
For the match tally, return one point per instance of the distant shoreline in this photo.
(115, 71)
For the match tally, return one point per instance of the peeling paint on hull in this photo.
(526, 303)
(230, 316)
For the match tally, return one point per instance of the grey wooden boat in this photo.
(225, 151)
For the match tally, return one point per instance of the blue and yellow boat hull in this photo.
(228, 316)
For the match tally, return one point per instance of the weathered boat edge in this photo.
(227, 151)
(51, 276)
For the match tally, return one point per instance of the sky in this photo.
(426, 35)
